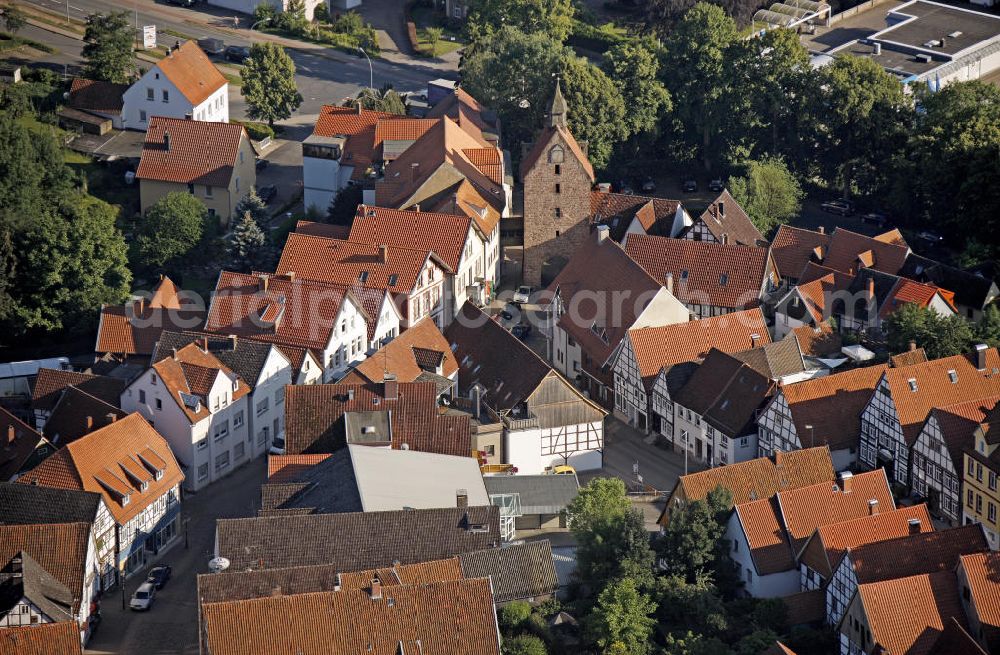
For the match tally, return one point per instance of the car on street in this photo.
(277, 446)
(839, 207)
(158, 577)
(143, 597)
(522, 295)
(237, 53)
(182, 3)
(260, 165)
(267, 193)
(648, 185)
(689, 185)
(933, 237)
(521, 331)
(212, 46)
(877, 219)
(716, 185)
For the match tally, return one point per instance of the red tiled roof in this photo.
(325, 230)
(199, 152)
(792, 248)
(487, 160)
(134, 329)
(981, 572)
(819, 341)
(192, 72)
(959, 422)
(464, 110)
(61, 638)
(445, 234)
(805, 607)
(769, 547)
(78, 413)
(192, 371)
(832, 405)
(99, 460)
(59, 548)
(346, 121)
(915, 293)
(955, 640)
(50, 383)
(908, 358)
(727, 220)
(915, 554)
(882, 254)
(656, 347)
(463, 199)
(97, 96)
(726, 392)
(806, 508)
(401, 356)
(907, 615)
(445, 618)
(287, 467)
(616, 210)
(399, 128)
(15, 454)
(704, 273)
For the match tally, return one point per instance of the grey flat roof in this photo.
(540, 494)
(935, 21)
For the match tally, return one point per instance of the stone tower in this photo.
(558, 179)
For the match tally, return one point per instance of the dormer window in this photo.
(145, 485)
(125, 500)
(913, 384)
(393, 279)
(363, 277)
(684, 275)
(723, 279)
(158, 475)
(953, 376)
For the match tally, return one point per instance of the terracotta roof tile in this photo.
(44, 639)
(954, 640)
(346, 121)
(403, 355)
(727, 393)
(908, 358)
(97, 96)
(727, 220)
(445, 234)
(768, 541)
(198, 152)
(907, 615)
(281, 468)
(805, 607)
(325, 230)
(192, 72)
(449, 618)
(792, 248)
(916, 554)
(659, 347)
(779, 648)
(958, 423)
(134, 329)
(806, 508)
(827, 545)
(819, 341)
(50, 383)
(704, 273)
(193, 371)
(19, 444)
(881, 253)
(468, 112)
(59, 548)
(488, 160)
(543, 139)
(934, 388)
(908, 292)
(78, 413)
(616, 210)
(832, 405)
(100, 456)
(981, 572)
(463, 199)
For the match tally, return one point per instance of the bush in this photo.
(349, 23)
(598, 39)
(264, 11)
(256, 131)
(513, 615)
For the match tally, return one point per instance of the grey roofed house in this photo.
(24, 578)
(539, 494)
(972, 290)
(244, 357)
(774, 360)
(27, 504)
(519, 571)
(366, 479)
(357, 540)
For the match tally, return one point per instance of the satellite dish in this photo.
(218, 564)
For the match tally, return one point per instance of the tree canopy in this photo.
(170, 230)
(940, 336)
(621, 622)
(269, 83)
(552, 18)
(385, 99)
(768, 192)
(108, 48)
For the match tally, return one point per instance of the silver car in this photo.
(143, 597)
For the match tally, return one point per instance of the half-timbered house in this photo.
(980, 482)
(724, 221)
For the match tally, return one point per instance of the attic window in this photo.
(723, 279)
(913, 384)
(125, 500)
(724, 405)
(684, 275)
(363, 277)
(392, 280)
(953, 376)
(368, 429)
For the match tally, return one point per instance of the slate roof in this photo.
(539, 494)
(907, 615)
(78, 413)
(726, 393)
(198, 152)
(832, 405)
(23, 577)
(981, 574)
(43, 639)
(245, 357)
(134, 328)
(111, 461)
(405, 355)
(97, 96)
(727, 221)
(19, 445)
(446, 618)
(58, 548)
(616, 210)
(192, 72)
(517, 572)
(829, 543)
(971, 290)
(50, 382)
(315, 418)
(30, 504)
(926, 552)
(774, 360)
(358, 540)
(445, 234)
(704, 273)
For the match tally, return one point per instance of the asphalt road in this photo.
(323, 75)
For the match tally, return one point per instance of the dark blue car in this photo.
(158, 577)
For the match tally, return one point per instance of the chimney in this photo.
(871, 288)
(878, 49)
(416, 207)
(872, 507)
(846, 478)
(382, 251)
(173, 352)
(166, 141)
(360, 108)
(11, 435)
(111, 417)
(142, 305)
(603, 232)
(390, 387)
(914, 526)
(233, 340)
(262, 282)
(414, 171)
(203, 344)
(981, 349)
(821, 229)
(754, 340)
(725, 238)
(913, 345)
(376, 589)
(350, 394)
(477, 397)
(461, 498)
(90, 422)
(722, 209)
(670, 283)
(290, 275)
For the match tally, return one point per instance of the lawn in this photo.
(442, 47)
(31, 122)
(451, 40)
(10, 42)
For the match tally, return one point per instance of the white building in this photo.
(201, 407)
(185, 84)
(248, 6)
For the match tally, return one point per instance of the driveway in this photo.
(390, 24)
(625, 448)
(171, 626)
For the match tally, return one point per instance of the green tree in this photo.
(293, 18)
(170, 230)
(252, 203)
(434, 35)
(692, 541)
(596, 109)
(247, 250)
(552, 18)
(513, 615)
(940, 336)
(385, 99)
(264, 12)
(524, 645)
(696, 74)
(597, 503)
(860, 112)
(768, 192)
(988, 328)
(634, 69)
(695, 605)
(345, 205)
(269, 83)
(13, 19)
(621, 621)
(108, 48)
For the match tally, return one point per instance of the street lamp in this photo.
(262, 20)
(371, 73)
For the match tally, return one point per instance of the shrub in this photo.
(513, 615)
(597, 39)
(256, 131)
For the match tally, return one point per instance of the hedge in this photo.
(598, 39)
(256, 131)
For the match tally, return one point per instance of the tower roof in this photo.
(558, 111)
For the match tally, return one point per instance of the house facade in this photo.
(980, 494)
(184, 85)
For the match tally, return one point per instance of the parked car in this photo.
(689, 185)
(648, 185)
(158, 577)
(267, 193)
(521, 331)
(277, 446)
(875, 218)
(212, 46)
(839, 207)
(561, 469)
(237, 53)
(143, 597)
(261, 164)
(522, 295)
(182, 3)
(716, 185)
(625, 188)
(933, 237)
